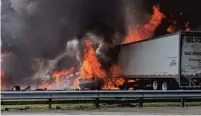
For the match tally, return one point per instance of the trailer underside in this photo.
(162, 83)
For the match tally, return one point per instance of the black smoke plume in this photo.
(35, 33)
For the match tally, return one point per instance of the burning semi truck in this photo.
(167, 62)
(171, 61)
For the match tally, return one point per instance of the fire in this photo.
(91, 67)
(132, 81)
(174, 26)
(44, 84)
(57, 75)
(171, 29)
(64, 72)
(76, 83)
(114, 81)
(147, 30)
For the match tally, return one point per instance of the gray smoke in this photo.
(35, 34)
(73, 49)
(134, 13)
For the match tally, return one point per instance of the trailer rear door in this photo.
(191, 54)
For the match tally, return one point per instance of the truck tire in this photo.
(155, 85)
(164, 86)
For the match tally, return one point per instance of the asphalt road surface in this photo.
(113, 111)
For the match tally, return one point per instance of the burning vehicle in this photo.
(161, 66)
(59, 44)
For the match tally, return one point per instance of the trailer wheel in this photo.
(155, 85)
(164, 86)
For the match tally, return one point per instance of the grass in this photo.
(171, 104)
(54, 106)
(91, 106)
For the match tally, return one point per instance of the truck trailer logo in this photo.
(173, 62)
(196, 47)
(193, 39)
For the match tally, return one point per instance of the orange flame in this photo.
(57, 75)
(171, 29)
(114, 81)
(147, 30)
(91, 67)
(175, 27)
(45, 85)
(76, 83)
(132, 81)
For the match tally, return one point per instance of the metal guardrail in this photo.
(96, 95)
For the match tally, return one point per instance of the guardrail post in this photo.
(49, 103)
(182, 102)
(140, 102)
(97, 103)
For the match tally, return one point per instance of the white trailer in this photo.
(166, 62)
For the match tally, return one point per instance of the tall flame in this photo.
(91, 67)
(146, 31)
